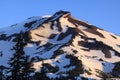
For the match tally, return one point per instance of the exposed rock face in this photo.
(66, 45)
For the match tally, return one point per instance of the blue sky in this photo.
(102, 13)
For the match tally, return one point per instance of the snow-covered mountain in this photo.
(67, 46)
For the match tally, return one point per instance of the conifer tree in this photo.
(1, 73)
(19, 62)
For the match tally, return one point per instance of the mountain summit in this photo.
(65, 47)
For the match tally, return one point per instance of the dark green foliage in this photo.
(2, 72)
(19, 62)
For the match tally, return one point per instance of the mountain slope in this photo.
(66, 45)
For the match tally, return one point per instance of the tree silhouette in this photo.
(19, 62)
(2, 75)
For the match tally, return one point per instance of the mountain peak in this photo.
(65, 46)
(61, 12)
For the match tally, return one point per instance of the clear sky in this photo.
(102, 13)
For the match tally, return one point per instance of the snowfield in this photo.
(65, 44)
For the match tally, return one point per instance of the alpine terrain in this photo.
(58, 47)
